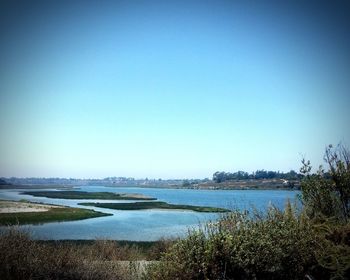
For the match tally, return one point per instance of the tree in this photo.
(219, 177)
(327, 194)
(185, 183)
(3, 182)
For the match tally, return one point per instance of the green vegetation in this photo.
(88, 195)
(3, 182)
(242, 246)
(54, 214)
(278, 245)
(327, 194)
(155, 205)
(308, 243)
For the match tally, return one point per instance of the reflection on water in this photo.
(148, 225)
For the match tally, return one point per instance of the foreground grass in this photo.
(54, 214)
(88, 195)
(124, 250)
(24, 258)
(155, 205)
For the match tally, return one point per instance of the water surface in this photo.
(148, 225)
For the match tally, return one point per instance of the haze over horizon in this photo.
(170, 89)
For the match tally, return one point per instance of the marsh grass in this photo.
(54, 214)
(87, 195)
(155, 205)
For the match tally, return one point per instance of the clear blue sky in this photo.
(170, 89)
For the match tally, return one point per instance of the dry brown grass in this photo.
(23, 258)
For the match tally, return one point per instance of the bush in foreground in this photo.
(278, 245)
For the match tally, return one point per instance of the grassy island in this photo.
(89, 195)
(155, 205)
(36, 213)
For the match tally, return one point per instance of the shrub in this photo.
(277, 245)
(326, 194)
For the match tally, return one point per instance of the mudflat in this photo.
(7, 206)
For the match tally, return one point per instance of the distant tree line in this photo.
(3, 182)
(219, 177)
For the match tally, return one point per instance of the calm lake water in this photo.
(148, 225)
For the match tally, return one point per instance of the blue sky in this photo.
(164, 89)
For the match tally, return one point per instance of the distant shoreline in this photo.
(250, 184)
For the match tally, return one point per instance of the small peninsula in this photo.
(19, 212)
(155, 205)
